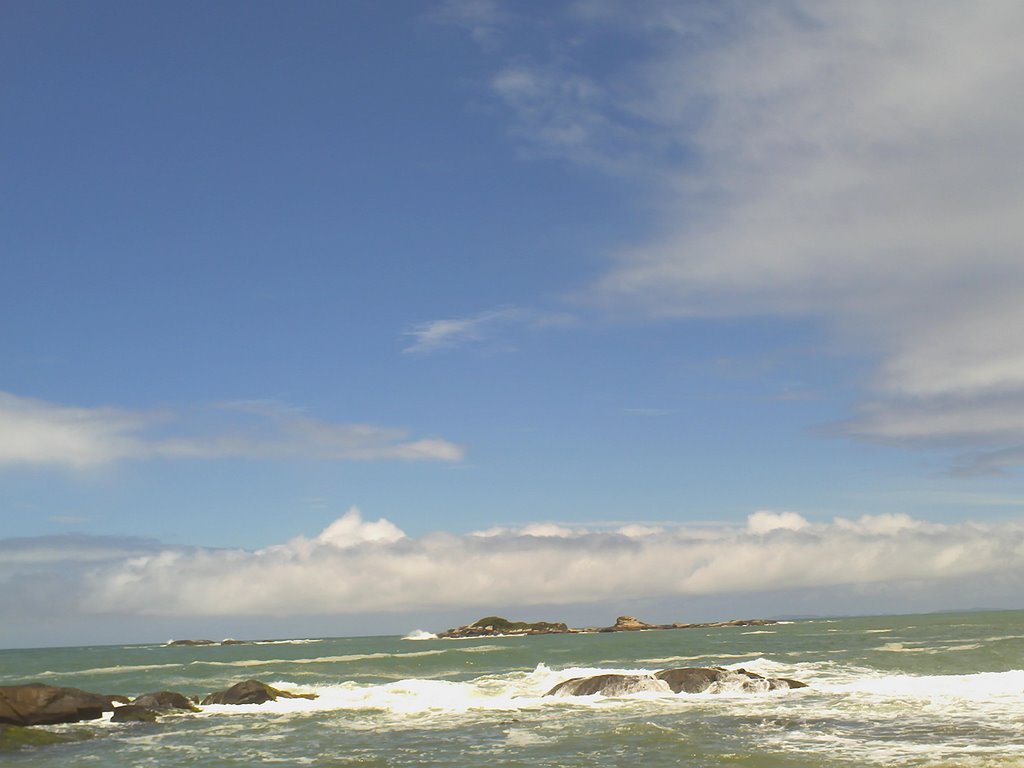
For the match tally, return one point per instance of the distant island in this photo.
(498, 626)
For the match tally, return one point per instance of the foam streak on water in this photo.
(931, 691)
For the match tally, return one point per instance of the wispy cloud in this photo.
(846, 162)
(360, 566)
(39, 432)
(483, 20)
(436, 335)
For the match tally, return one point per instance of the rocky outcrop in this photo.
(193, 642)
(252, 692)
(731, 623)
(608, 685)
(38, 704)
(164, 701)
(690, 679)
(633, 624)
(682, 680)
(493, 626)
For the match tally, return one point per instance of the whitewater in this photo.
(936, 690)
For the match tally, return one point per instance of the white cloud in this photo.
(847, 162)
(765, 521)
(358, 566)
(349, 530)
(458, 331)
(38, 432)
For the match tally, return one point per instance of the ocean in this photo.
(922, 690)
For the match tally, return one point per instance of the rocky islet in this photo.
(498, 626)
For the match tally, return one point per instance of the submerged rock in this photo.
(133, 713)
(15, 737)
(38, 704)
(252, 692)
(162, 701)
(681, 680)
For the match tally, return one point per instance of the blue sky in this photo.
(576, 276)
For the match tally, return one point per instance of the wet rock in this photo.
(15, 737)
(608, 685)
(38, 704)
(163, 701)
(133, 713)
(681, 680)
(690, 679)
(252, 692)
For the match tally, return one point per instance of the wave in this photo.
(902, 648)
(833, 688)
(105, 670)
(304, 641)
(419, 634)
(977, 687)
(427, 697)
(674, 659)
(346, 658)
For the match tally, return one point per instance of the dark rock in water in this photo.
(682, 680)
(231, 641)
(690, 679)
(193, 642)
(38, 704)
(252, 692)
(15, 737)
(162, 701)
(133, 713)
(717, 679)
(790, 683)
(608, 685)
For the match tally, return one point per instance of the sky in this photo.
(355, 318)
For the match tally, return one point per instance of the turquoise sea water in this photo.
(929, 690)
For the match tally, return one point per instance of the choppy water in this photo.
(932, 690)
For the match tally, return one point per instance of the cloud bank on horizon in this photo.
(356, 566)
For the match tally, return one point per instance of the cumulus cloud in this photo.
(356, 566)
(846, 162)
(39, 432)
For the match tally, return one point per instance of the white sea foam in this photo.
(759, 632)
(902, 648)
(303, 641)
(105, 670)
(978, 687)
(345, 658)
(419, 634)
(674, 659)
